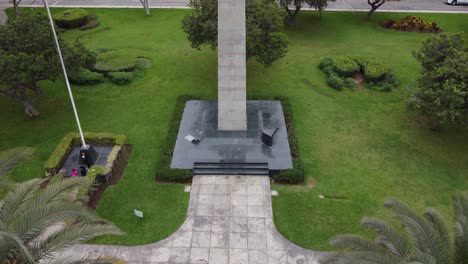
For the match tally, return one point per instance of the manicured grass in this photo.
(362, 145)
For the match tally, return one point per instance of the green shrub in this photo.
(325, 62)
(121, 78)
(90, 25)
(296, 174)
(381, 87)
(374, 70)
(71, 18)
(349, 82)
(329, 70)
(85, 77)
(335, 82)
(163, 170)
(59, 155)
(116, 61)
(346, 66)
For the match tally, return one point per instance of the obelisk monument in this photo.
(232, 104)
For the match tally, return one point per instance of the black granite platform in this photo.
(200, 121)
(72, 160)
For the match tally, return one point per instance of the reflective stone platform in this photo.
(200, 120)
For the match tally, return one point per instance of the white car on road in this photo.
(456, 2)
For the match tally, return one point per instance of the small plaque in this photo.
(138, 213)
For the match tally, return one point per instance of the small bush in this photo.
(335, 81)
(412, 24)
(116, 61)
(86, 77)
(121, 78)
(374, 71)
(346, 66)
(71, 18)
(329, 70)
(349, 82)
(381, 87)
(326, 62)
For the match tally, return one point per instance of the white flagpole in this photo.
(65, 73)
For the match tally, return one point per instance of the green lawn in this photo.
(362, 146)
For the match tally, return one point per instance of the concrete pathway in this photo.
(413, 6)
(3, 15)
(229, 221)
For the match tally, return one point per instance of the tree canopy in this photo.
(441, 92)
(28, 55)
(293, 7)
(265, 42)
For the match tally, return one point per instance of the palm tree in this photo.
(426, 238)
(37, 223)
(9, 159)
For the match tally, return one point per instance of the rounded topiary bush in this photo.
(116, 61)
(121, 78)
(375, 71)
(326, 62)
(346, 66)
(71, 18)
(335, 81)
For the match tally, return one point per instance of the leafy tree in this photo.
(28, 55)
(37, 223)
(9, 159)
(441, 93)
(426, 238)
(291, 14)
(264, 40)
(375, 4)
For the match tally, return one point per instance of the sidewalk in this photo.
(403, 6)
(3, 15)
(229, 221)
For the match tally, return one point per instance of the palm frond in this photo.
(387, 236)
(39, 217)
(421, 233)
(60, 190)
(460, 204)
(361, 258)
(443, 234)
(356, 244)
(13, 201)
(9, 242)
(70, 235)
(9, 159)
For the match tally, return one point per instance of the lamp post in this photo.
(88, 155)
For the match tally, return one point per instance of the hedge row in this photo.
(165, 173)
(59, 155)
(296, 174)
(163, 169)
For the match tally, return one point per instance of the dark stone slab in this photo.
(73, 158)
(200, 120)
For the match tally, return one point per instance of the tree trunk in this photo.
(374, 6)
(18, 93)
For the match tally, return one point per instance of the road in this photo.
(431, 6)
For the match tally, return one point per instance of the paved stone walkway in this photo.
(229, 221)
(3, 15)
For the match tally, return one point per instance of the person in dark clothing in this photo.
(83, 171)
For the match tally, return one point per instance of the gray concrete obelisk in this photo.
(232, 105)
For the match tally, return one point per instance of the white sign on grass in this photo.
(139, 214)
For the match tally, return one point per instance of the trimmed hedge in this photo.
(116, 61)
(86, 77)
(163, 168)
(339, 70)
(59, 155)
(71, 18)
(296, 174)
(121, 78)
(346, 66)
